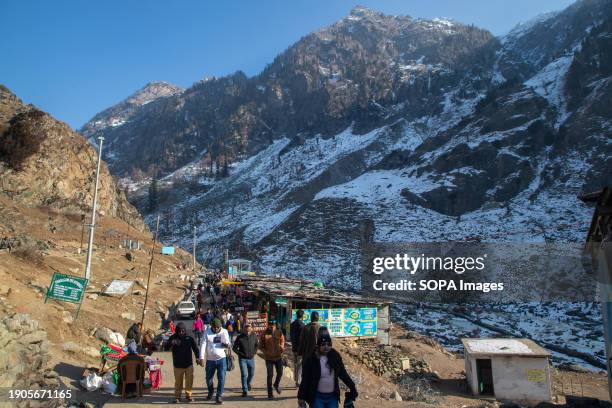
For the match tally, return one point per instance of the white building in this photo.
(508, 369)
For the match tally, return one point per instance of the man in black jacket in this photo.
(245, 347)
(320, 387)
(182, 346)
(296, 333)
(308, 338)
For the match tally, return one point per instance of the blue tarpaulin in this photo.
(168, 250)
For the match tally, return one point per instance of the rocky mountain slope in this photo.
(351, 72)
(118, 114)
(44, 163)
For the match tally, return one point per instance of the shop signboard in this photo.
(252, 314)
(346, 322)
(258, 323)
(281, 301)
(66, 288)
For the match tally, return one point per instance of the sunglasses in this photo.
(325, 345)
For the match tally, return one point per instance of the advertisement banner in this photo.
(349, 322)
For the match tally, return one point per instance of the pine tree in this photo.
(225, 168)
(153, 194)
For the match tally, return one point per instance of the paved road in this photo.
(233, 389)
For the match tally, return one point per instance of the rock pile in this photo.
(385, 361)
(24, 358)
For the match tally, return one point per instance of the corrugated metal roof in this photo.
(297, 289)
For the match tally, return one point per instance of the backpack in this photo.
(229, 327)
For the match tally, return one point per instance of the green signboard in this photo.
(66, 288)
(281, 301)
(346, 322)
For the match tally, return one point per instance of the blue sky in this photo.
(76, 58)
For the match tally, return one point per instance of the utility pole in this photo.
(93, 213)
(82, 233)
(194, 248)
(144, 307)
(226, 260)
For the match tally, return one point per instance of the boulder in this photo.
(5, 290)
(109, 336)
(34, 337)
(128, 315)
(67, 317)
(72, 347)
(92, 296)
(51, 374)
(395, 396)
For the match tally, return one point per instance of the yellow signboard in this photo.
(536, 375)
(230, 282)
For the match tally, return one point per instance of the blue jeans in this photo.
(246, 366)
(325, 400)
(220, 366)
(198, 335)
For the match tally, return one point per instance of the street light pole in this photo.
(92, 226)
(144, 307)
(194, 248)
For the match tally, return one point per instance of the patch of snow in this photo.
(498, 346)
(524, 27)
(549, 83)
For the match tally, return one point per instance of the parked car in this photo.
(186, 309)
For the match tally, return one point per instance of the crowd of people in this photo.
(218, 335)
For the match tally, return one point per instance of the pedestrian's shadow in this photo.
(74, 373)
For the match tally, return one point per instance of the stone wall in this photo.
(23, 359)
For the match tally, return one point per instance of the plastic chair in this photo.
(132, 372)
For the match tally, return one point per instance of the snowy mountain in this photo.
(425, 145)
(386, 129)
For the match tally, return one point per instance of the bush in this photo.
(29, 253)
(22, 139)
(417, 389)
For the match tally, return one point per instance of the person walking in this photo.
(245, 347)
(208, 317)
(320, 386)
(214, 351)
(198, 328)
(200, 298)
(273, 345)
(295, 333)
(308, 339)
(230, 326)
(182, 346)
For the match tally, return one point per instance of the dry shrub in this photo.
(22, 139)
(74, 217)
(416, 389)
(29, 253)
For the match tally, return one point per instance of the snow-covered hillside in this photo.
(494, 147)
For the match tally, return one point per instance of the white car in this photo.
(186, 309)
